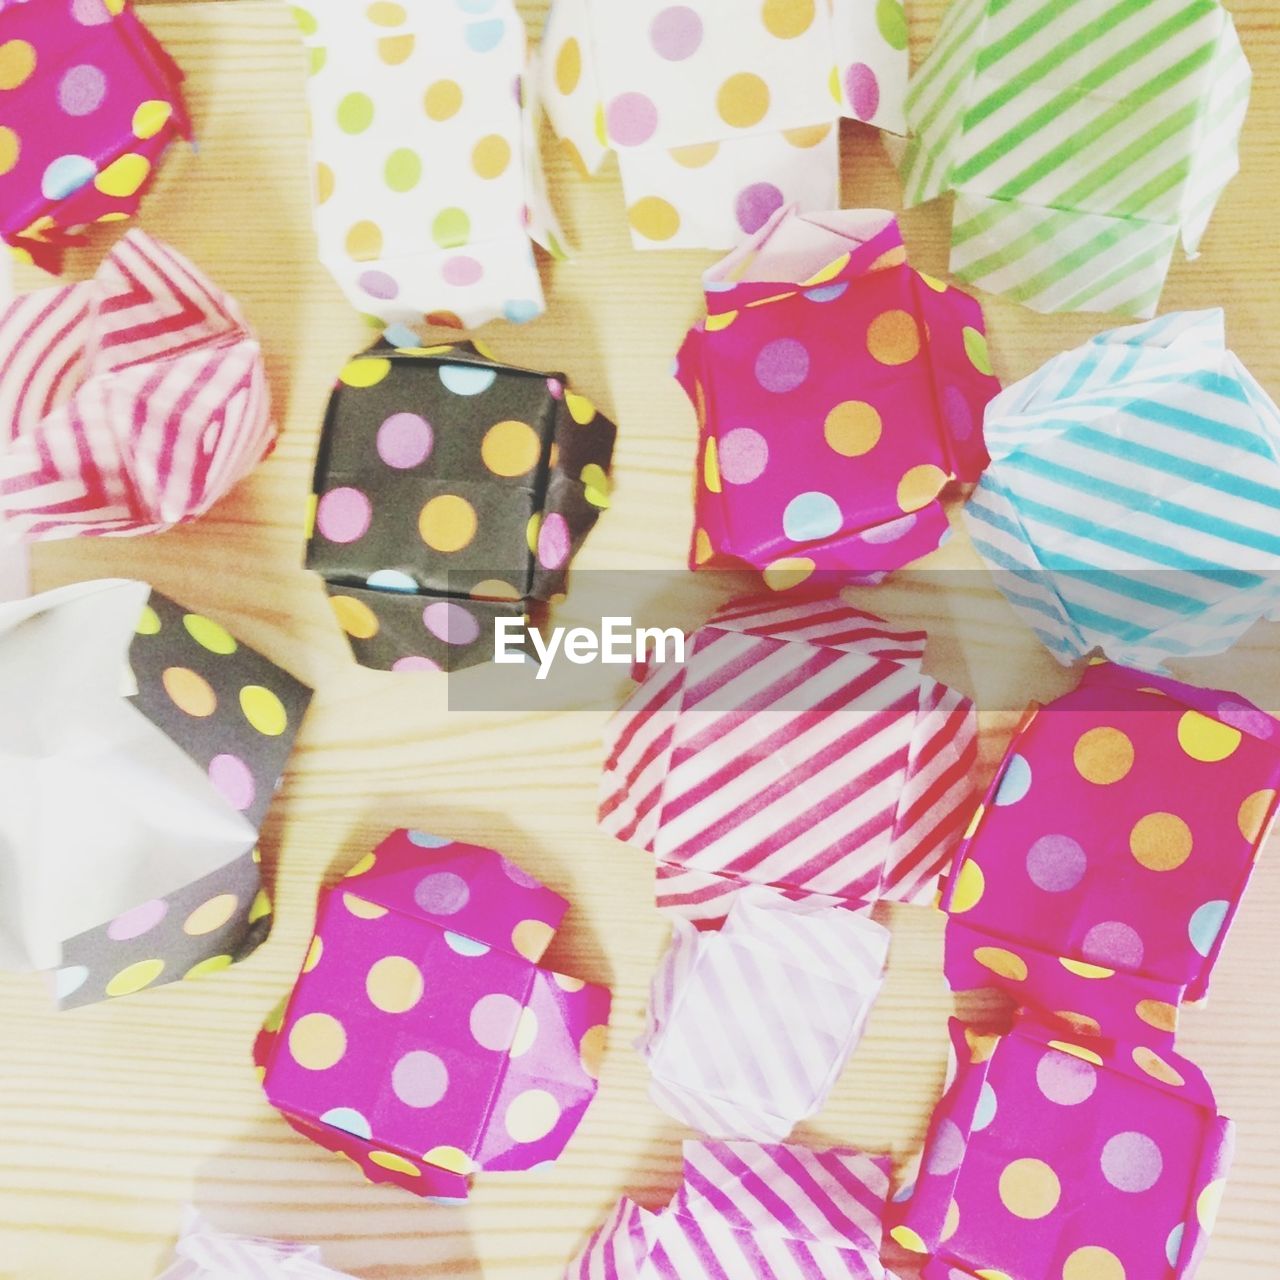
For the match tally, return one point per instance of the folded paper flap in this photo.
(1196, 331)
(203, 1253)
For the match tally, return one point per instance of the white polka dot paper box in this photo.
(91, 103)
(1049, 1159)
(722, 111)
(490, 1066)
(128, 837)
(426, 187)
(1102, 872)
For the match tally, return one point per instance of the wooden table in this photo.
(113, 1117)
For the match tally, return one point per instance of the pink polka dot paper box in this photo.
(1100, 875)
(429, 191)
(838, 392)
(800, 747)
(422, 1039)
(450, 491)
(91, 102)
(128, 837)
(1049, 1159)
(721, 111)
(129, 403)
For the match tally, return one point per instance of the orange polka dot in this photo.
(568, 66)
(1029, 1189)
(211, 915)
(702, 548)
(591, 1050)
(1253, 813)
(853, 428)
(1093, 1263)
(10, 149)
(1082, 969)
(17, 62)
(1159, 1014)
(394, 1163)
(1002, 963)
(447, 523)
(809, 136)
(1160, 841)
(317, 1041)
(490, 156)
(443, 99)
(511, 449)
(1156, 1067)
(1076, 1051)
(190, 693)
(920, 486)
(697, 156)
(354, 617)
(789, 572)
(1103, 756)
(531, 938)
(364, 242)
(743, 100)
(394, 984)
(396, 50)
(654, 218)
(893, 338)
(1080, 1023)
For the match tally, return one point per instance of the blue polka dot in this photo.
(903, 1194)
(1016, 781)
(720, 286)
(811, 516)
(348, 1120)
(827, 292)
(1173, 1247)
(391, 580)
(69, 980)
(465, 946)
(426, 841)
(475, 6)
(66, 175)
(521, 310)
(1206, 924)
(444, 1200)
(985, 1112)
(483, 36)
(467, 379)
(400, 335)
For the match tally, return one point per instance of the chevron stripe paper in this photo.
(1133, 497)
(130, 403)
(799, 747)
(1083, 139)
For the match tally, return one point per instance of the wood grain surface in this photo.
(114, 1117)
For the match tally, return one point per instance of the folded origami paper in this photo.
(750, 1212)
(799, 746)
(721, 113)
(450, 491)
(1133, 498)
(850, 443)
(487, 1062)
(1081, 145)
(428, 181)
(1049, 1159)
(129, 403)
(140, 747)
(749, 1028)
(1101, 874)
(206, 1254)
(91, 103)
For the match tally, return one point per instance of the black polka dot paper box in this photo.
(451, 490)
(422, 1039)
(141, 745)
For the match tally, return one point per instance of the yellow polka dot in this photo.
(1002, 963)
(567, 983)
(702, 548)
(309, 522)
(209, 634)
(450, 1158)
(1103, 756)
(602, 127)
(1029, 1189)
(531, 1116)
(447, 523)
(787, 19)
(715, 323)
(975, 822)
(1093, 1263)
(397, 50)
(394, 984)
(951, 1223)
(654, 218)
(444, 98)
(1156, 1067)
(893, 338)
(1205, 739)
(971, 884)
(890, 258)
(276, 1017)
(494, 589)
(743, 100)
(191, 693)
(10, 149)
(364, 242)
(263, 710)
(1082, 969)
(1160, 841)
(325, 183)
(511, 449)
(314, 952)
(1253, 813)
(909, 1240)
(1080, 1023)
(788, 572)
(124, 175)
(261, 904)
(1159, 1014)
(317, 1041)
(830, 271)
(148, 622)
(211, 915)
(568, 66)
(386, 13)
(354, 617)
(591, 1049)
(920, 486)
(853, 428)
(595, 485)
(697, 156)
(135, 977)
(938, 286)
(809, 136)
(17, 62)
(150, 118)
(394, 1163)
(531, 938)
(532, 529)
(1076, 1051)
(711, 466)
(1209, 1202)
(581, 410)
(212, 964)
(981, 1046)
(362, 908)
(491, 155)
(367, 371)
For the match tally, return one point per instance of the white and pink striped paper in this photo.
(800, 746)
(129, 403)
(206, 1254)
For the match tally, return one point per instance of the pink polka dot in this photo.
(419, 1079)
(81, 90)
(343, 515)
(1113, 945)
(756, 204)
(233, 779)
(518, 875)
(947, 1149)
(1065, 1079)
(450, 622)
(411, 662)
(1056, 864)
(442, 893)
(462, 271)
(554, 543)
(556, 388)
(633, 119)
(743, 455)
(494, 1019)
(676, 33)
(863, 90)
(891, 531)
(782, 365)
(404, 440)
(1247, 719)
(957, 413)
(378, 284)
(137, 921)
(1132, 1162)
(90, 13)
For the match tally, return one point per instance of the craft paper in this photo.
(1049, 1159)
(1082, 146)
(140, 749)
(129, 403)
(750, 1212)
(1102, 872)
(1131, 506)
(721, 113)
(450, 491)
(205, 1254)
(749, 1028)
(825, 455)
(422, 1038)
(799, 746)
(91, 102)
(428, 182)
